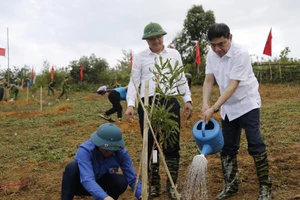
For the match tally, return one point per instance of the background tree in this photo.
(195, 28)
(46, 66)
(95, 70)
(122, 69)
(284, 55)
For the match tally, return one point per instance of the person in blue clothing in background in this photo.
(28, 83)
(94, 171)
(115, 96)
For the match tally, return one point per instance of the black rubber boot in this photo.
(155, 180)
(262, 170)
(230, 172)
(173, 165)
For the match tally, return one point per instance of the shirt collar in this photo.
(230, 51)
(149, 52)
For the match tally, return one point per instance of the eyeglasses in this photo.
(154, 38)
(220, 44)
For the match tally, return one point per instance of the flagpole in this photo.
(7, 49)
(8, 75)
(198, 58)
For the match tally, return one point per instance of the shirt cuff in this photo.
(187, 98)
(130, 103)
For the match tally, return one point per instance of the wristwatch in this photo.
(189, 102)
(216, 109)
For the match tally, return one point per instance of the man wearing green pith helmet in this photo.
(142, 70)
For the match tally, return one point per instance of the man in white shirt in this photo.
(143, 64)
(230, 65)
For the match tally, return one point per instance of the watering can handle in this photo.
(203, 128)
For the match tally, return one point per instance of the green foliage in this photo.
(277, 72)
(197, 78)
(95, 70)
(34, 89)
(195, 28)
(167, 75)
(162, 125)
(161, 119)
(284, 55)
(122, 70)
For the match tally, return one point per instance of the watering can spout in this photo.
(206, 149)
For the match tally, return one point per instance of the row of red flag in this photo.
(80, 72)
(268, 46)
(2, 52)
(267, 51)
(52, 73)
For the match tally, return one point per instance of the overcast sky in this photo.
(64, 30)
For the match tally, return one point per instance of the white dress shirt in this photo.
(142, 63)
(235, 65)
(102, 88)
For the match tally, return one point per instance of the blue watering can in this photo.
(209, 137)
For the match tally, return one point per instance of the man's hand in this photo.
(108, 198)
(188, 110)
(207, 113)
(129, 113)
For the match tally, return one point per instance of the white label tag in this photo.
(154, 156)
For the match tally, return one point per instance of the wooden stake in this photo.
(27, 92)
(145, 145)
(41, 98)
(156, 142)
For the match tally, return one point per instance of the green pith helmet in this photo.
(153, 29)
(188, 75)
(108, 137)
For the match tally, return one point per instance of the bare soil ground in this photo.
(28, 172)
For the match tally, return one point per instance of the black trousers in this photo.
(232, 133)
(113, 184)
(50, 89)
(115, 99)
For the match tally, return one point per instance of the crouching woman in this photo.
(94, 171)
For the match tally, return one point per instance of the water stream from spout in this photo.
(195, 180)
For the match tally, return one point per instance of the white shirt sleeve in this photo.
(135, 80)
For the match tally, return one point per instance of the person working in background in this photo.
(64, 89)
(2, 87)
(115, 96)
(13, 91)
(51, 87)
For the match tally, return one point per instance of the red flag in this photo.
(81, 72)
(32, 74)
(268, 46)
(2, 52)
(198, 59)
(52, 73)
(130, 60)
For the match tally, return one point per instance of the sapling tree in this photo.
(161, 119)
